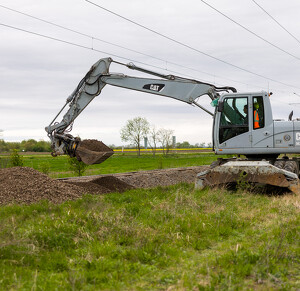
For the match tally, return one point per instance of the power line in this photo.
(119, 46)
(277, 22)
(253, 33)
(91, 48)
(113, 44)
(188, 46)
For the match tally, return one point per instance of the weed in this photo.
(16, 160)
(77, 167)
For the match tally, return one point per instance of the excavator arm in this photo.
(91, 152)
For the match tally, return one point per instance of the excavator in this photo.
(243, 126)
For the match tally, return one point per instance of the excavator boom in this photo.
(91, 152)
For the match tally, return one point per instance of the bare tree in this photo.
(164, 136)
(153, 138)
(134, 131)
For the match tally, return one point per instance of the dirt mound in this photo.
(112, 183)
(95, 145)
(26, 185)
(102, 185)
(166, 177)
(90, 187)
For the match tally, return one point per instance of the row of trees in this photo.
(137, 129)
(29, 145)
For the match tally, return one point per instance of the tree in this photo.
(164, 136)
(183, 145)
(134, 131)
(153, 138)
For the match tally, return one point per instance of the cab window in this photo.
(258, 112)
(234, 118)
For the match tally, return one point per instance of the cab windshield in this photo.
(234, 118)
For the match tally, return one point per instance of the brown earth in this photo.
(94, 145)
(26, 185)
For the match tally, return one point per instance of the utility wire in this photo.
(93, 49)
(122, 47)
(116, 45)
(253, 33)
(188, 46)
(276, 21)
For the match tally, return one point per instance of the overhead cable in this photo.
(119, 46)
(93, 49)
(116, 45)
(185, 45)
(276, 21)
(253, 33)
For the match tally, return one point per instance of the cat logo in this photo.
(154, 87)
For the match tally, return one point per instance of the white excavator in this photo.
(243, 125)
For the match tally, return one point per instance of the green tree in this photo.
(183, 145)
(134, 131)
(77, 167)
(3, 146)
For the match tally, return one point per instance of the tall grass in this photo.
(174, 238)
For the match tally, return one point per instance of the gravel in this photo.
(25, 185)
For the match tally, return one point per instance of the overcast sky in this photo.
(37, 73)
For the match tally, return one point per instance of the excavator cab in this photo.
(239, 123)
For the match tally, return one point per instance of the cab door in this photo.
(262, 129)
(234, 123)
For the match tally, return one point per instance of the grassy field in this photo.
(119, 163)
(173, 238)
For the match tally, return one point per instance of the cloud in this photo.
(37, 74)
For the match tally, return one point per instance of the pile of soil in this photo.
(92, 151)
(101, 185)
(113, 184)
(167, 177)
(26, 185)
(95, 145)
(142, 179)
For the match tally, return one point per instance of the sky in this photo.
(46, 48)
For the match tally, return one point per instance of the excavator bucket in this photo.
(92, 151)
(255, 173)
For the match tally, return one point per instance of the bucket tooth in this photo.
(92, 151)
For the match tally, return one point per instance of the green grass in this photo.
(174, 237)
(119, 163)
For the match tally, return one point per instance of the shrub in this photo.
(77, 167)
(16, 160)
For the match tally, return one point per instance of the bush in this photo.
(4, 162)
(16, 160)
(77, 167)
